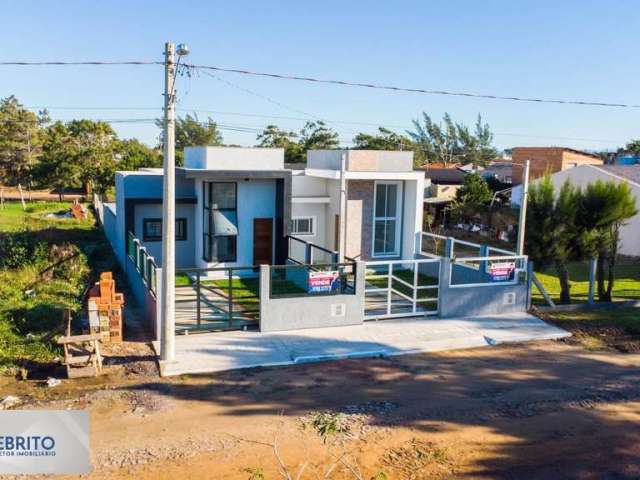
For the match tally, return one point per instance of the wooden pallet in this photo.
(82, 355)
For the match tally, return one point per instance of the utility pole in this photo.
(522, 222)
(342, 224)
(167, 303)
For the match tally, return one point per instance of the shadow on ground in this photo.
(544, 398)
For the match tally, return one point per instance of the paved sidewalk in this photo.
(212, 352)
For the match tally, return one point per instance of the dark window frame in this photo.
(207, 225)
(158, 238)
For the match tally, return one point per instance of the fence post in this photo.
(389, 287)
(448, 247)
(265, 287)
(158, 325)
(308, 253)
(484, 252)
(198, 315)
(230, 277)
(444, 275)
(592, 278)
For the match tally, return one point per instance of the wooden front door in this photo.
(262, 240)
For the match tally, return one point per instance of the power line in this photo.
(411, 90)
(339, 82)
(93, 63)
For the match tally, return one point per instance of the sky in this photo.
(575, 50)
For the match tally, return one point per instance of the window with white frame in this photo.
(387, 211)
(303, 226)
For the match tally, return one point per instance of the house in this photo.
(441, 185)
(549, 159)
(235, 207)
(231, 208)
(500, 170)
(264, 247)
(585, 174)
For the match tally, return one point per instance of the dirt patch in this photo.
(417, 459)
(541, 410)
(615, 329)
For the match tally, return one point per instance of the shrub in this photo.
(20, 249)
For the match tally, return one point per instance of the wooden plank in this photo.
(81, 372)
(79, 338)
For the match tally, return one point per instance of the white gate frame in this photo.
(414, 286)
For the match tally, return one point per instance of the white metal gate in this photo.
(401, 288)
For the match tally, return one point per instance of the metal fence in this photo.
(306, 253)
(401, 288)
(300, 280)
(145, 263)
(217, 299)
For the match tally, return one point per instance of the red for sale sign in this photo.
(502, 271)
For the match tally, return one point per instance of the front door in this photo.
(262, 240)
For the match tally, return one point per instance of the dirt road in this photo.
(547, 410)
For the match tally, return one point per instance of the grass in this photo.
(407, 276)
(242, 287)
(32, 298)
(626, 286)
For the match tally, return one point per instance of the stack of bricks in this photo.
(105, 309)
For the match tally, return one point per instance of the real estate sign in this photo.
(502, 271)
(323, 282)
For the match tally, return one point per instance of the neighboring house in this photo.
(500, 170)
(236, 206)
(441, 185)
(549, 159)
(583, 175)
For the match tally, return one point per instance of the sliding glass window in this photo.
(387, 219)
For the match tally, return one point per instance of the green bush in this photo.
(19, 249)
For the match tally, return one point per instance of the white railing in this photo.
(400, 281)
(433, 245)
(482, 266)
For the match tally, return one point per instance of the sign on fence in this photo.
(502, 271)
(323, 282)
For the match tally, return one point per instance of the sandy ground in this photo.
(540, 410)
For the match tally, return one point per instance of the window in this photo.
(152, 229)
(386, 219)
(219, 221)
(303, 226)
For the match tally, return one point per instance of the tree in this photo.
(94, 145)
(604, 208)
(131, 154)
(388, 140)
(274, 137)
(191, 132)
(317, 136)
(474, 191)
(476, 148)
(450, 142)
(57, 167)
(439, 143)
(551, 229)
(313, 136)
(633, 146)
(20, 141)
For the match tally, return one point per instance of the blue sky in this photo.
(580, 50)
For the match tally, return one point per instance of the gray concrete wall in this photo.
(144, 298)
(309, 311)
(487, 299)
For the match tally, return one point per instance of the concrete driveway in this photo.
(212, 352)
